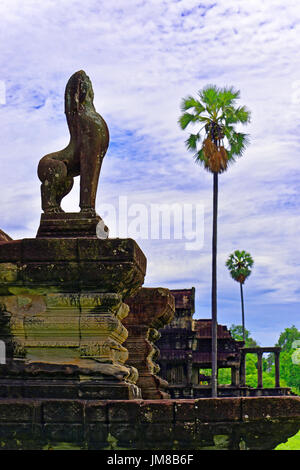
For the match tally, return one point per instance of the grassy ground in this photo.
(292, 444)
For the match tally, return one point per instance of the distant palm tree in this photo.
(215, 145)
(239, 264)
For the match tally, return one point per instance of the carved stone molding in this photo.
(150, 309)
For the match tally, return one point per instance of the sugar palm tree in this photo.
(215, 145)
(239, 264)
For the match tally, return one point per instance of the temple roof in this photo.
(184, 298)
(203, 329)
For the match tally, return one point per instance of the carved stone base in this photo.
(61, 312)
(72, 224)
(65, 337)
(150, 309)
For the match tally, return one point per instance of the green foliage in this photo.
(216, 112)
(293, 443)
(251, 370)
(237, 333)
(289, 365)
(289, 371)
(210, 96)
(238, 143)
(224, 376)
(185, 120)
(189, 103)
(191, 142)
(287, 338)
(239, 264)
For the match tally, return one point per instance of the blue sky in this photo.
(143, 57)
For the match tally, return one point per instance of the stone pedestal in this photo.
(150, 309)
(72, 224)
(61, 311)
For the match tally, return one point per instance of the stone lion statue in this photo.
(89, 139)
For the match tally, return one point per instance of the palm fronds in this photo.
(186, 119)
(239, 265)
(191, 142)
(216, 109)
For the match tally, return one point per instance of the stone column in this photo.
(234, 376)
(259, 370)
(62, 301)
(195, 375)
(243, 370)
(190, 369)
(277, 368)
(150, 309)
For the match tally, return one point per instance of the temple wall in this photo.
(228, 423)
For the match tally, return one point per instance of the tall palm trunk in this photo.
(243, 313)
(214, 352)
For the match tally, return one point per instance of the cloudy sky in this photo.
(143, 57)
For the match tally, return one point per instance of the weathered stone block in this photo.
(47, 276)
(53, 249)
(16, 412)
(210, 410)
(60, 411)
(11, 251)
(185, 410)
(96, 412)
(124, 411)
(152, 411)
(97, 434)
(266, 407)
(122, 435)
(156, 436)
(185, 432)
(16, 435)
(116, 265)
(63, 432)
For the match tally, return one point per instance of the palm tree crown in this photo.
(239, 264)
(216, 111)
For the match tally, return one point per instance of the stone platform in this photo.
(61, 312)
(204, 424)
(70, 265)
